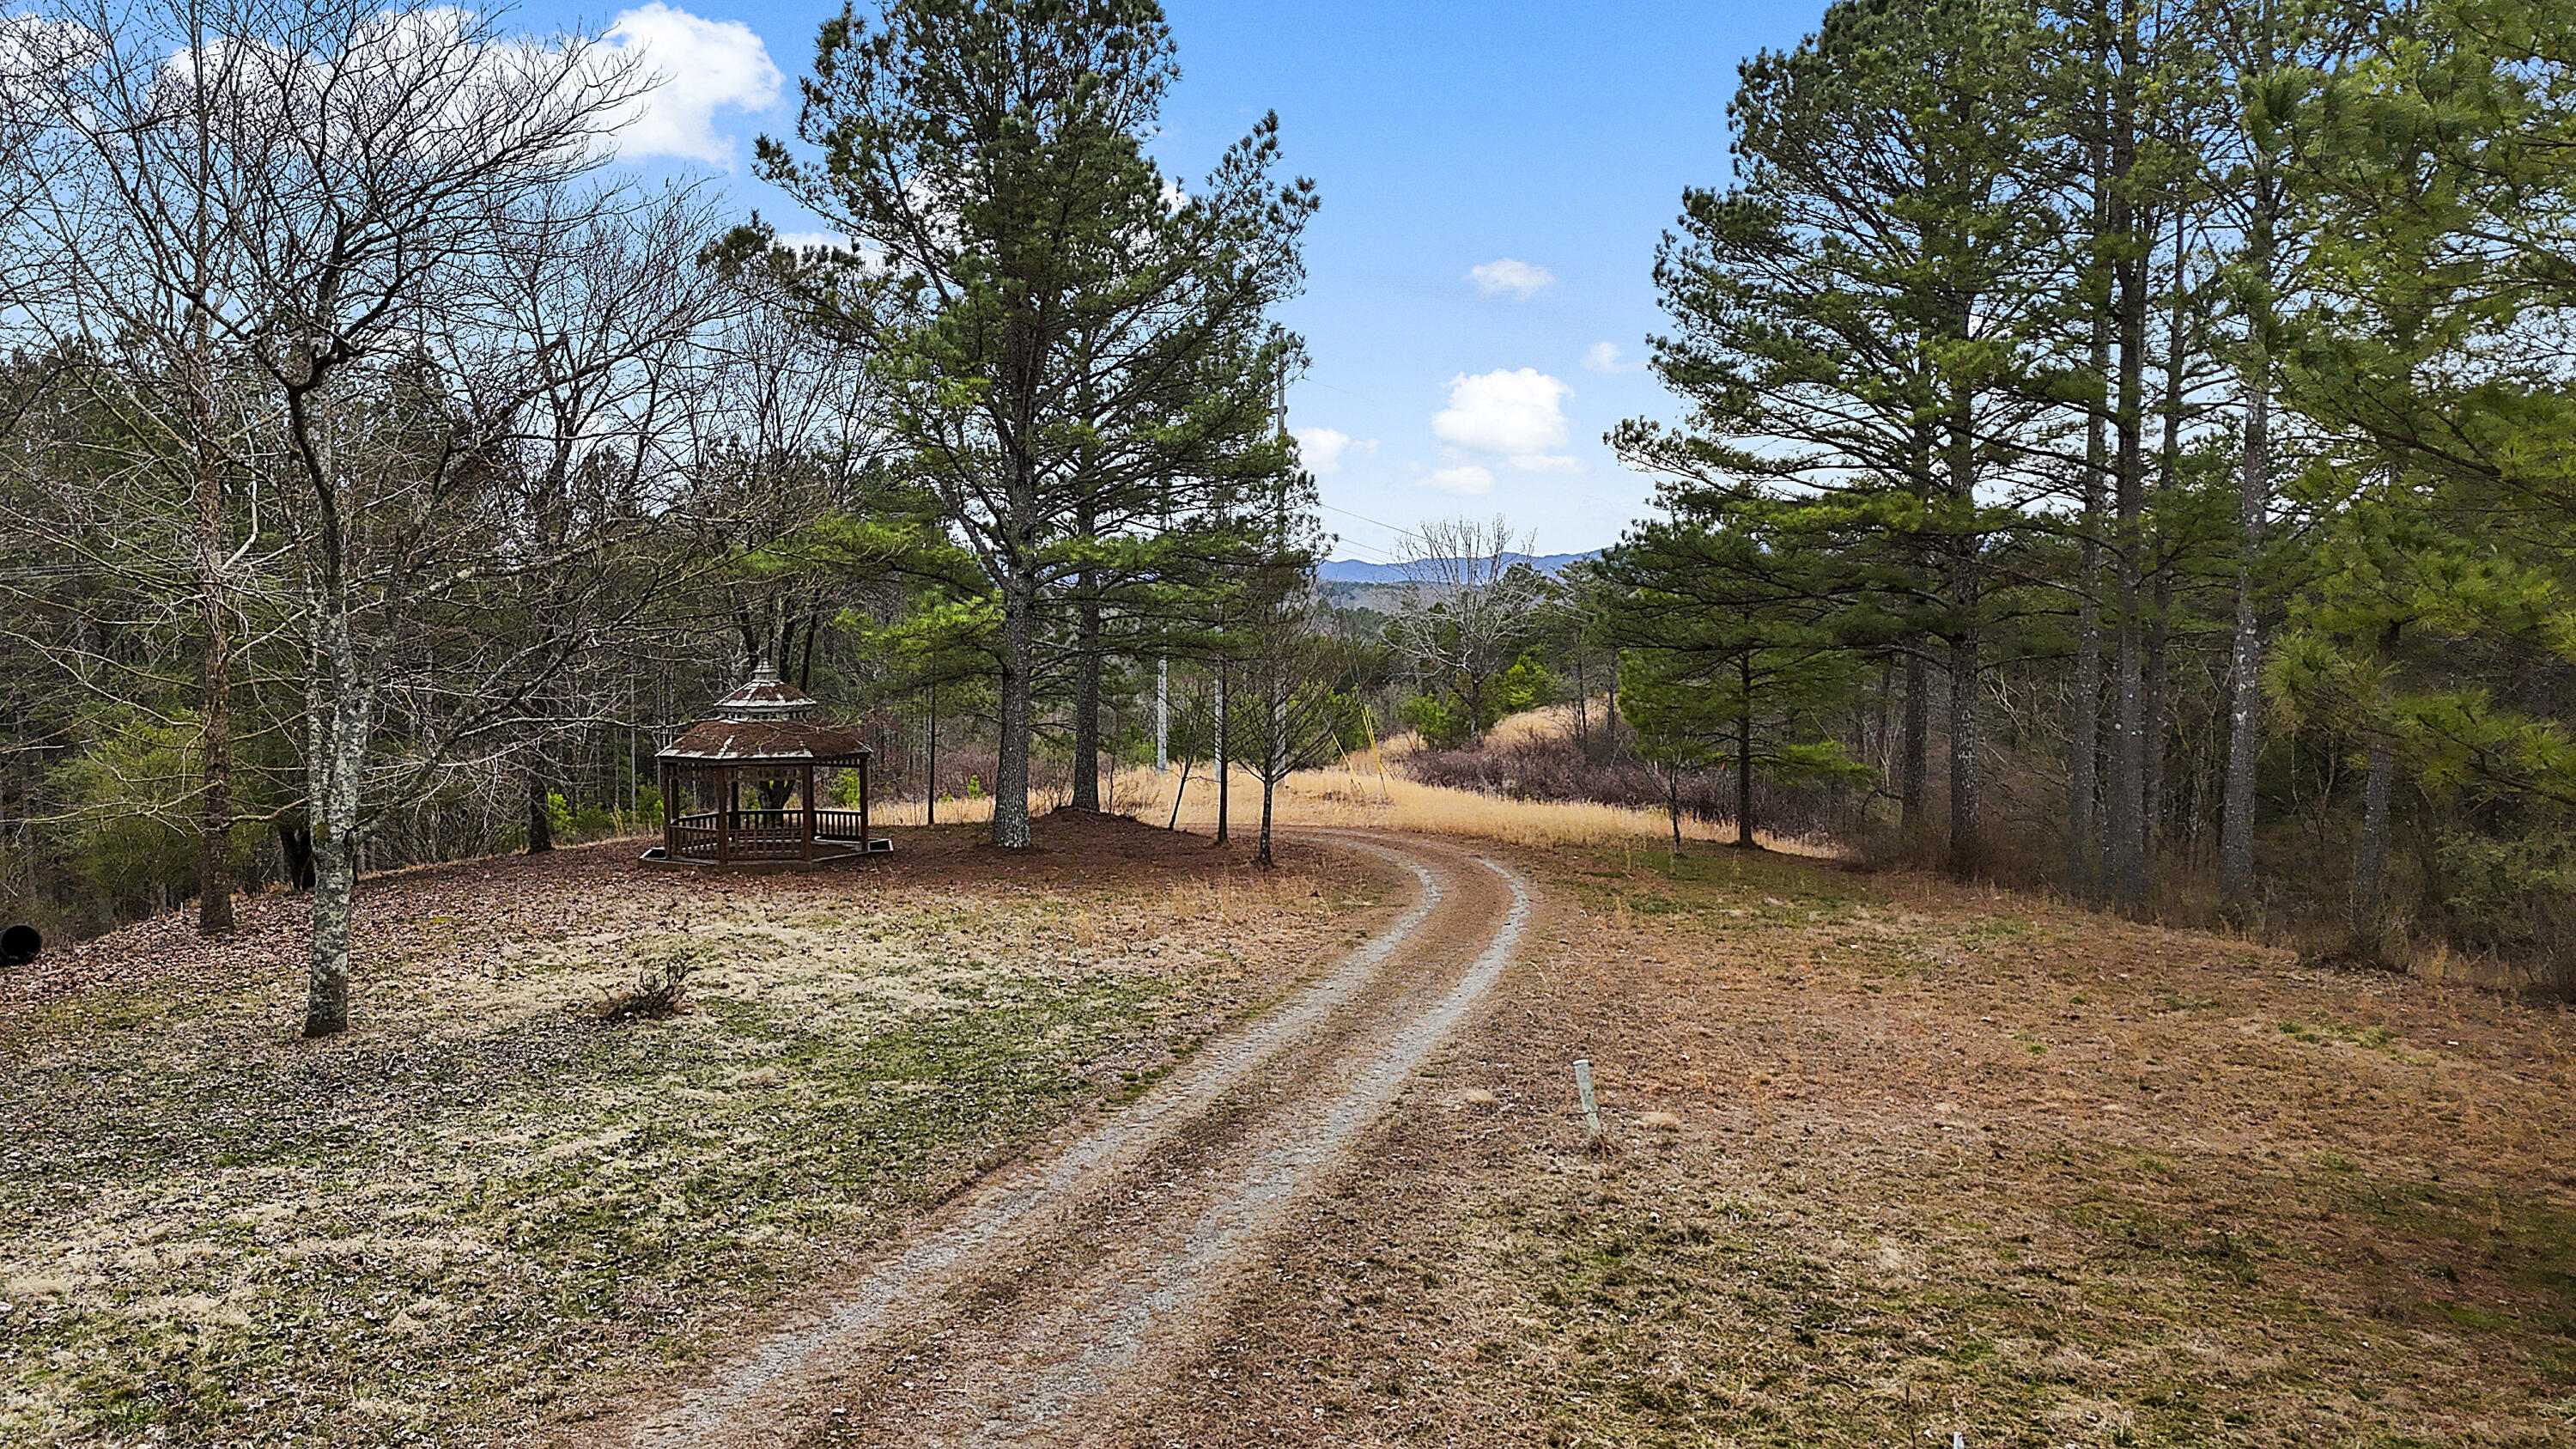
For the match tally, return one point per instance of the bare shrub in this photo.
(660, 991)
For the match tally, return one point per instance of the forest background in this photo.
(2125, 448)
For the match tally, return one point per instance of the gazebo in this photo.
(764, 736)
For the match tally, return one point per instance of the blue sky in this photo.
(1494, 178)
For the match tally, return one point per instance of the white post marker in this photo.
(1583, 1089)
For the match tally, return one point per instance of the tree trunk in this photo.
(2253, 506)
(1224, 763)
(1610, 712)
(1582, 710)
(342, 722)
(1086, 701)
(1273, 766)
(1162, 715)
(2245, 671)
(2084, 732)
(1967, 837)
(1011, 764)
(2125, 852)
(2372, 863)
(1965, 586)
(215, 817)
(215, 732)
(541, 825)
(2159, 626)
(1914, 752)
(1673, 804)
(1744, 756)
(930, 794)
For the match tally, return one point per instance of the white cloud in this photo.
(705, 66)
(1606, 357)
(1469, 480)
(800, 241)
(1511, 414)
(1519, 278)
(1323, 449)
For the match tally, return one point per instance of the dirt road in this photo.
(1036, 1308)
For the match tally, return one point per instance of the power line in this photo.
(1364, 518)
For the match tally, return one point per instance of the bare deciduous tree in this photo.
(362, 212)
(1471, 600)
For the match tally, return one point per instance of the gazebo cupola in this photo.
(763, 736)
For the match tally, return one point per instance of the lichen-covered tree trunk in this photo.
(215, 811)
(2125, 828)
(2084, 729)
(341, 720)
(1965, 587)
(1967, 829)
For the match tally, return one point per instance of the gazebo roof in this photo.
(765, 696)
(785, 741)
(764, 721)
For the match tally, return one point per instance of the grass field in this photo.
(1888, 1158)
(486, 1201)
(1355, 793)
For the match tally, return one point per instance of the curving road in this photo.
(1035, 1308)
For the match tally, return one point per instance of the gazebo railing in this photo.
(758, 834)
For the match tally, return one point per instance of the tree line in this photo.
(381, 465)
(2126, 445)
(2123, 447)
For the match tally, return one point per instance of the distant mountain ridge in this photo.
(1358, 571)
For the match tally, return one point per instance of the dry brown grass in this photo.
(1898, 1159)
(1353, 794)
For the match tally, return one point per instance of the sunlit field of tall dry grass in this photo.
(1366, 789)
(1356, 792)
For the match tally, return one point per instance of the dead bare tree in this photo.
(1471, 601)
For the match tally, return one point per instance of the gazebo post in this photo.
(725, 787)
(805, 793)
(670, 818)
(863, 804)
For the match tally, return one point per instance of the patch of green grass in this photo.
(2377, 1037)
(2469, 1316)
